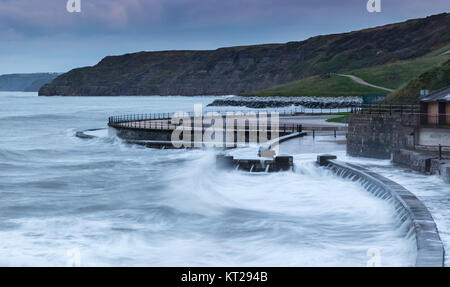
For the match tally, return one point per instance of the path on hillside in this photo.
(362, 82)
(310, 122)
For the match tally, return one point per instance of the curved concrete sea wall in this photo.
(430, 250)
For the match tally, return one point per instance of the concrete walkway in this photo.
(362, 82)
(316, 122)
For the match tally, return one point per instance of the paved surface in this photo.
(362, 82)
(310, 122)
(323, 142)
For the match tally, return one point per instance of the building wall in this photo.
(447, 112)
(379, 135)
(434, 137)
(433, 111)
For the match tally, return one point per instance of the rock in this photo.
(280, 102)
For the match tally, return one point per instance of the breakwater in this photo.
(410, 210)
(191, 130)
(277, 102)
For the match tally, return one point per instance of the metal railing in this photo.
(386, 109)
(281, 112)
(162, 121)
(410, 114)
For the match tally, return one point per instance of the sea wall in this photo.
(378, 135)
(430, 249)
(418, 161)
(423, 162)
(127, 133)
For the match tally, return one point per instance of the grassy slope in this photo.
(322, 86)
(342, 119)
(392, 75)
(433, 79)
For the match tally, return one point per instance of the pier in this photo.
(156, 130)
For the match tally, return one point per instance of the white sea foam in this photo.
(124, 205)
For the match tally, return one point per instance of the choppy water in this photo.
(431, 190)
(122, 205)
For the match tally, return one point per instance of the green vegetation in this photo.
(343, 119)
(391, 75)
(434, 79)
(394, 75)
(322, 86)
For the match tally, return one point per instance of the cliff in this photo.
(25, 82)
(237, 70)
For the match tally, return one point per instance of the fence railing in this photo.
(386, 109)
(440, 150)
(281, 112)
(410, 114)
(162, 121)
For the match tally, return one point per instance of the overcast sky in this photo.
(41, 36)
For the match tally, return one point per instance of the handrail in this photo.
(284, 112)
(409, 113)
(384, 109)
(161, 121)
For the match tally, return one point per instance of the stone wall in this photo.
(379, 135)
(423, 163)
(142, 134)
(445, 172)
(418, 161)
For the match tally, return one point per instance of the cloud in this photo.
(40, 35)
(43, 17)
(51, 16)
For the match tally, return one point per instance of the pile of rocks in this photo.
(276, 102)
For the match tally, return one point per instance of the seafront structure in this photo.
(187, 130)
(410, 210)
(436, 110)
(417, 136)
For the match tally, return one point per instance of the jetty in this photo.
(230, 131)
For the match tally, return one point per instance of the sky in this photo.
(42, 36)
